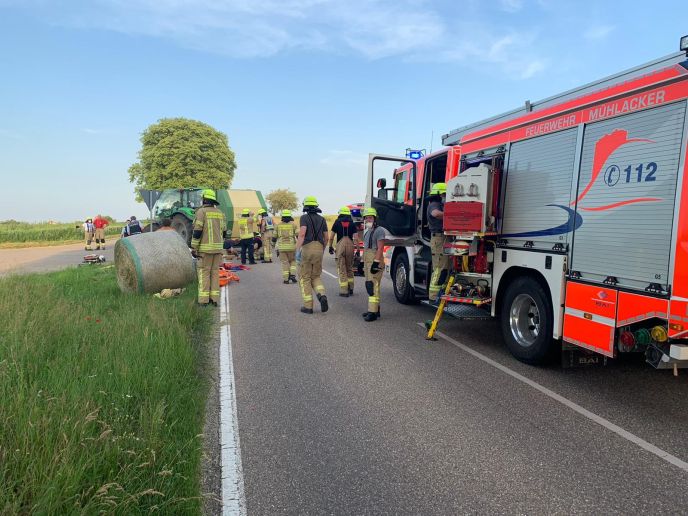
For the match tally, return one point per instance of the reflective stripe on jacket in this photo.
(245, 228)
(286, 236)
(212, 224)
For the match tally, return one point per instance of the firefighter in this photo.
(310, 248)
(286, 246)
(440, 261)
(347, 241)
(89, 232)
(246, 236)
(266, 226)
(100, 224)
(209, 232)
(373, 247)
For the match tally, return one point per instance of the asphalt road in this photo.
(339, 416)
(47, 259)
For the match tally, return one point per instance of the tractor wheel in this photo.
(183, 226)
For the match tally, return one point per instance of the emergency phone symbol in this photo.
(612, 175)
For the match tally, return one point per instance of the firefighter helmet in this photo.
(438, 189)
(245, 211)
(370, 212)
(285, 213)
(310, 201)
(262, 210)
(345, 211)
(209, 194)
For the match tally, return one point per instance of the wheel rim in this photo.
(400, 278)
(524, 320)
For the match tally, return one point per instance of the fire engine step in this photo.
(461, 311)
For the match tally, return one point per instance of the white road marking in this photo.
(233, 499)
(330, 274)
(671, 459)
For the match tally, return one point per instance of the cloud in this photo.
(598, 32)
(511, 6)
(412, 30)
(513, 54)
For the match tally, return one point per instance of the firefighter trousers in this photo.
(310, 272)
(288, 260)
(267, 246)
(440, 265)
(100, 237)
(209, 277)
(372, 281)
(247, 246)
(345, 265)
(88, 237)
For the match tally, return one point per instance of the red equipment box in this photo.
(463, 216)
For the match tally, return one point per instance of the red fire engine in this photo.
(567, 218)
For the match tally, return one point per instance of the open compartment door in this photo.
(392, 192)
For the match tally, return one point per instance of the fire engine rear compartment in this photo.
(613, 217)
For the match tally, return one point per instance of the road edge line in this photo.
(232, 477)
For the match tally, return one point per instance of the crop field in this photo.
(43, 232)
(103, 397)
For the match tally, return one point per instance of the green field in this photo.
(102, 397)
(25, 232)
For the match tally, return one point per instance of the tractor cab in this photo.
(178, 205)
(174, 201)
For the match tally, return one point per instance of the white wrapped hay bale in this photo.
(151, 262)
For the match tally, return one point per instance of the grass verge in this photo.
(102, 396)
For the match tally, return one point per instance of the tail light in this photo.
(659, 334)
(626, 341)
(642, 336)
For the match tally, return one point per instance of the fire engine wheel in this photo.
(526, 320)
(403, 290)
(182, 225)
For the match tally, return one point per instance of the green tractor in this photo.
(179, 205)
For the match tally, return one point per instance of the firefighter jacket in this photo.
(267, 224)
(209, 229)
(286, 236)
(245, 228)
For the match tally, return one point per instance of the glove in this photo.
(357, 254)
(331, 250)
(375, 267)
(298, 256)
(194, 253)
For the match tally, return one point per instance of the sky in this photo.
(304, 89)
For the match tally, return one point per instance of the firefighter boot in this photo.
(371, 316)
(323, 303)
(306, 310)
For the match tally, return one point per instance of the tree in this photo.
(183, 153)
(282, 199)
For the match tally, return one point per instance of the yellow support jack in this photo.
(432, 326)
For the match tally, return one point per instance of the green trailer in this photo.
(179, 205)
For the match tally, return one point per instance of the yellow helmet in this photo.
(438, 189)
(285, 213)
(310, 201)
(209, 194)
(261, 211)
(245, 211)
(370, 212)
(345, 211)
